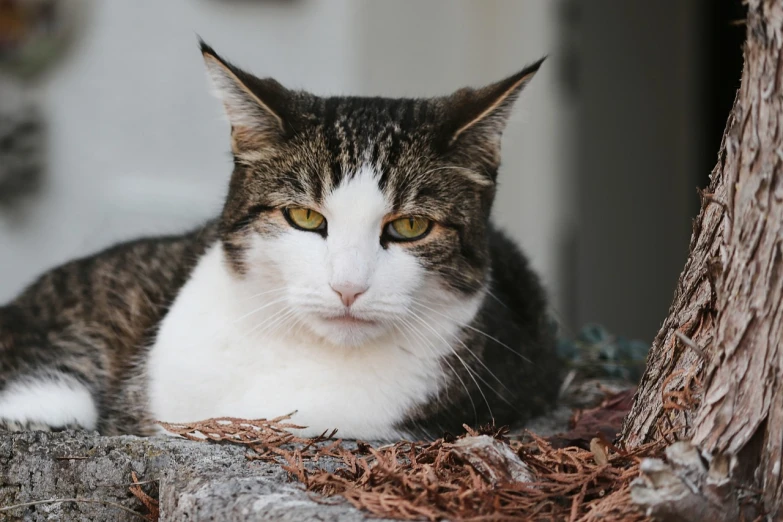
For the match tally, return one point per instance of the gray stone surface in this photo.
(198, 481)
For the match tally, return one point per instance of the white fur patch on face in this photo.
(55, 401)
(315, 270)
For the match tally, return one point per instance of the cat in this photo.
(353, 277)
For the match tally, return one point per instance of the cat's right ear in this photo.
(255, 107)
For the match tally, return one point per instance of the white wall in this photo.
(138, 146)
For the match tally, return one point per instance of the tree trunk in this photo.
(715, 370)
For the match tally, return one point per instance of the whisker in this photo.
(431, 347)
(411, 344)
(560, 323)
(266, 305)
(262, 293)
(472, 328)
(267, 320)
(496, 298)
(225, 325)
(292, 327)
(554, 311)
(281, 321)
(478, 359)
(461, 360)
(490, 372)
(277, 323)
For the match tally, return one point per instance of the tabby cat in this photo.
(353, 277)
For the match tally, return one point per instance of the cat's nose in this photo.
(348, 292)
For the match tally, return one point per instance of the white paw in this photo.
(47, 403)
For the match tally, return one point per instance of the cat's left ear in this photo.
(257, 109)
(479, 116)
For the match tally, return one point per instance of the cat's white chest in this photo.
(211, 360)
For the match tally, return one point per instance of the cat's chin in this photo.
(347, 330)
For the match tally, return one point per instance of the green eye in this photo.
(305, 219)
(408, 228)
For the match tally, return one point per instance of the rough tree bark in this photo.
(722, 338)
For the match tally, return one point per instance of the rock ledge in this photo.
(197, 481)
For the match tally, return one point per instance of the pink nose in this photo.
(348, 292)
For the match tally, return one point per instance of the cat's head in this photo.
(362, 212)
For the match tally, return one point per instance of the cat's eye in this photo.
(305, 219)
(408, 228)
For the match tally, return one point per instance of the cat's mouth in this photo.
(349, 319)
(343, 328)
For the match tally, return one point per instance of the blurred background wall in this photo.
(601, 158)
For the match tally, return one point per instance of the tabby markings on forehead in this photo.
(248, 158)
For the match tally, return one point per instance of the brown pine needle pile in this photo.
(431, 481)
(435, 480)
